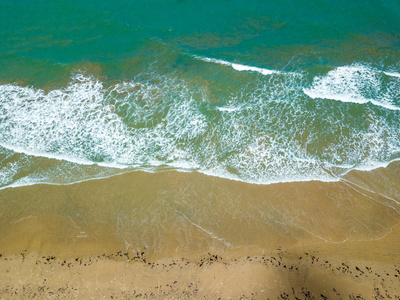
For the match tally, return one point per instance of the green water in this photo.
(266, 91)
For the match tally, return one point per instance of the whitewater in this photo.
(263, 133)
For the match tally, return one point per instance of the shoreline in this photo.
(171, 168)
(188, 235)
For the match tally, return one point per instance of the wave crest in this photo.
(358, 84)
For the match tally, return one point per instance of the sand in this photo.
(186, 235)
(122, 275)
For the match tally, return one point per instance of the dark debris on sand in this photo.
(385, 284)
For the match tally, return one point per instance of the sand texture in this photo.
(174, 235)
(282, 275)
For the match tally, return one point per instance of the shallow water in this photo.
(187, 214)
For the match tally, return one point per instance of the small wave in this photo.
(238, 67)
(265, 181)
(228, 109)
(392, 74)
(31, 180)
(346, 98)
(61, 157)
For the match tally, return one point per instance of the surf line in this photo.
(237, 67)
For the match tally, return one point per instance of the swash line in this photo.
(205, 230)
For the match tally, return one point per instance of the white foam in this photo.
(32, 180)
(319, 93)
(238, 67)
(184, 165)
(266, 181)
(18, 149)
(263, 71)
(372, 165)
(79, 122)
(7, 172)
(155, 122)
(355, 84)
(73, 124)
(392, 74)
(228, 109)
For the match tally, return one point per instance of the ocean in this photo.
(263, 92)
(259, 92)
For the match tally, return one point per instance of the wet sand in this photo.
(187, 235)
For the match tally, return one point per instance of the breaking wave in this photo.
(358, 84)
(238, 67)
(275, 128)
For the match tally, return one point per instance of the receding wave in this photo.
(21, 169)
(50, 155)
(268, 130)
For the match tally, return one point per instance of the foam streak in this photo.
(238, 67)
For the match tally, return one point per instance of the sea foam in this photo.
(264, 132)
(393, 74)
(357, 84)
(238, 67)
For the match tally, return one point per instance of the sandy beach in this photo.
(187, 235)
(354, 270)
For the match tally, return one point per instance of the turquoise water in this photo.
(260, 91)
